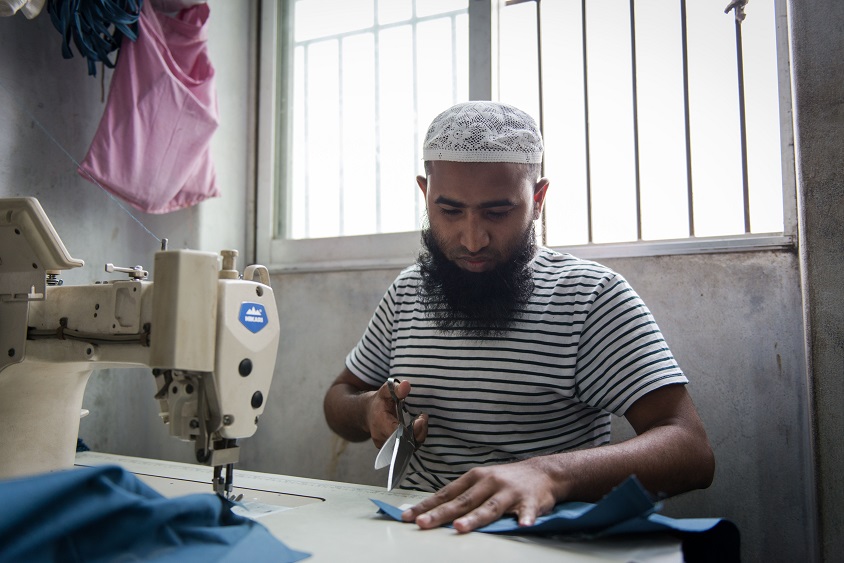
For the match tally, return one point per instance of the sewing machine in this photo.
(209, 334)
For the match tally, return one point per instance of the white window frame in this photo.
(396, 250)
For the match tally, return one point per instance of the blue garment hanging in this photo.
(89, 23)
(106, 513)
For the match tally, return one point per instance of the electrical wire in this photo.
(76, 162)
(62, 333)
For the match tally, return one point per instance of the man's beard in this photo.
(475, 304)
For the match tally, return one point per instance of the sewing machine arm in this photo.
(209, 334)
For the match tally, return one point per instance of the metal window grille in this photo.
(591, 41)
(331, 182)
(577, 53)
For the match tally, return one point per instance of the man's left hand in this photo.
(670, 454)
(484, 494)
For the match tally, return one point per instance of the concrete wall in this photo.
(818, 84)
(734, 321)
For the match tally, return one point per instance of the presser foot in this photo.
(223, 485)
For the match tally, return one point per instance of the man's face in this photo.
(477, 251)
(479, 211)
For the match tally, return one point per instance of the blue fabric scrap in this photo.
(106, 513)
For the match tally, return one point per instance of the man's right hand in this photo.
(381, 415)
(357, 411)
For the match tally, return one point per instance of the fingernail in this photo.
(423, 520)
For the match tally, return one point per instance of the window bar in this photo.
(340, 117)
(541, 107)
(376, 102)
(414, 39)
(543, 220)
(635, 121)
(454, 76)
(742, 124)
(586, 124)
(306, 132)
(685, 49)
(454, 79)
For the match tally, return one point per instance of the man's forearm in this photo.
(667, 460)
(345, 409)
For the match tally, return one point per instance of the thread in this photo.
(76, 163)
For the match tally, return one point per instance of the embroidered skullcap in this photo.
(482, 131)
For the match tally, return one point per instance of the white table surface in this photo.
(336, 522)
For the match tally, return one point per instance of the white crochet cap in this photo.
(483, 131)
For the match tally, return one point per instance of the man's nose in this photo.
(475, 236)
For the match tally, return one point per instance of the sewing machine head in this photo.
(209, 334)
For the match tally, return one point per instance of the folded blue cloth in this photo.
(106, 513)
(627, 509)
(626, 502)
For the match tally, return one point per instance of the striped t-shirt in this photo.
(584, 346)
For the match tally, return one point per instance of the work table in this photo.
(336, 521)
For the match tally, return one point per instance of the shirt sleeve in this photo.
(622, 354)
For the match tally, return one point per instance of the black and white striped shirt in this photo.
(584, 346)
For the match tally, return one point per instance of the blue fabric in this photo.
(106, 513)
(627, 509)
(96, 27)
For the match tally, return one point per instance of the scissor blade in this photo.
(385, 454)
(400, 462)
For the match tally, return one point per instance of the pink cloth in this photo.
(152, 147)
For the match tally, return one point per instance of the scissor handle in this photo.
(401, 410)
(392, 382)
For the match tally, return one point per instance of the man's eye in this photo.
(497, 214)
(446, 211)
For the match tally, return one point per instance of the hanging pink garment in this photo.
(152, 147)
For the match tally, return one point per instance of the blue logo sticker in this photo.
(253, 316)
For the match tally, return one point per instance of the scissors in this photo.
(399, 447)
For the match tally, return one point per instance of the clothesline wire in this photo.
(75, 162)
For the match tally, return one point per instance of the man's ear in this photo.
(422, 181)
(539, 191)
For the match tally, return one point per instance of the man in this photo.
(512, 357)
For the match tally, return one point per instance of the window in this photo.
(662, 120)
(367, 76)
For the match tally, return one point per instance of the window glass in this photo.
(611, 141)
(323, 18)
(763, 131)
(714, 123)
(394, 11)
(661, 121)
(362, 95)
(434, 7)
